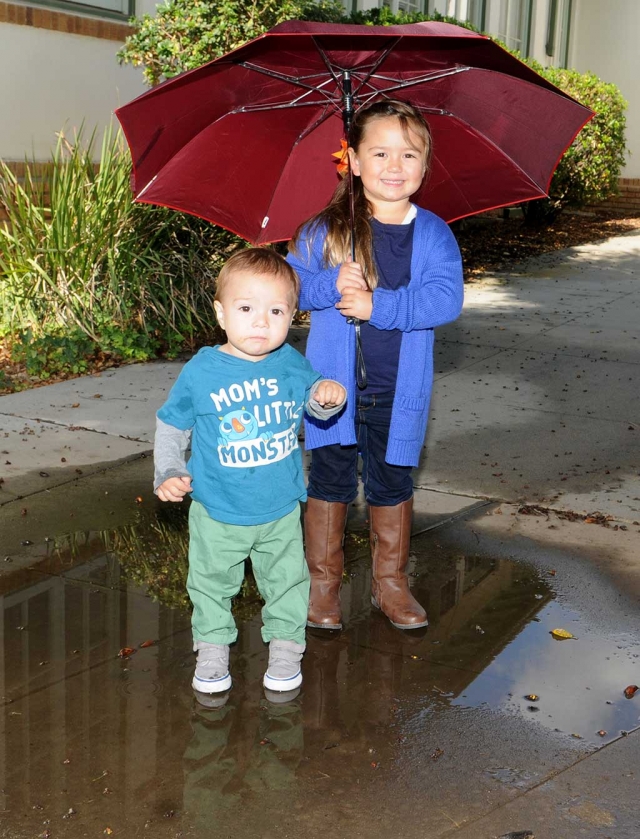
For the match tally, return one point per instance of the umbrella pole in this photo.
(347, 117)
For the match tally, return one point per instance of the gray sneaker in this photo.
(212, 668)
(283, 672)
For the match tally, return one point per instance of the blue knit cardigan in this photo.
(432, 298)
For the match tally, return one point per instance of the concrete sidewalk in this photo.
(535, 410)
(535, 400)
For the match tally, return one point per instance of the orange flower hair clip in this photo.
(343, 158)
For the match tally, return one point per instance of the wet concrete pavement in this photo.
(423, 735)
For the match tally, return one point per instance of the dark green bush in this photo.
(185, 34)
(588, 172)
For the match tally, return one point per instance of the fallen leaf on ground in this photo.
(126, 651)
(146, 644)
(532, 697)
(630, 691)
(561, 634)
(437, 753)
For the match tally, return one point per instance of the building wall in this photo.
(59, 70)
(606, 43)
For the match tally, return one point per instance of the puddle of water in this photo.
(122, 742)
(579, 682)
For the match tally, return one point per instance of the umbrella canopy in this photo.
(246, 141)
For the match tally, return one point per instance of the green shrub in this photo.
(184, 34)
(588, 172)
(84, 269)
(51, 355)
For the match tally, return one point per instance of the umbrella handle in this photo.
(347, 117)
(361, 370)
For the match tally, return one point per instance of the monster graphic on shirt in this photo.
(240, 425)
(262, 430)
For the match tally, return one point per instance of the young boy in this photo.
(240, 405)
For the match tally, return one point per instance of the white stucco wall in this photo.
(604, 40)
(53, 80)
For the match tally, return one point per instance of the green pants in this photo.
(217, 552)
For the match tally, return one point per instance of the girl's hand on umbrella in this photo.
(329, 394)
(350, 276)
(356, 303)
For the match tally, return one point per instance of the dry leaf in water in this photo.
(561, 634)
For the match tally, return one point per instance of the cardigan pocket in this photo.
(409, 419)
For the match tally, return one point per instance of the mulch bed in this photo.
(495, 245)
(486, 244)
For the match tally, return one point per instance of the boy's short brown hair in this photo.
(263, 262)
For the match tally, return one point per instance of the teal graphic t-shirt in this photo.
(245, 464)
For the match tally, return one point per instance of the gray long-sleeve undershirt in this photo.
(171, 443)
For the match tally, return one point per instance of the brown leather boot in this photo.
(324, 523)
(390, 532)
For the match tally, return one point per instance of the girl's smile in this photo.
(391, 164)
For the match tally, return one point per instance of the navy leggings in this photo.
(334, 469)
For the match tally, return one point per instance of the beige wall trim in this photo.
(61, 22)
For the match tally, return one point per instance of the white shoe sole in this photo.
(212, 685)
(280, 685)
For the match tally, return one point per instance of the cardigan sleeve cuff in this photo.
(384, 310)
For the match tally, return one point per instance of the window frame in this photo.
(421, 6)
(559, 32)
(527, 15)
(72, 7)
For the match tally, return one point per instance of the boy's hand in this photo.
(174, 489)
(356, 303)
(350, 276)
(329, 394)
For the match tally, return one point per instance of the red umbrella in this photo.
(246, 141)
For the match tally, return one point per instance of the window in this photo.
(557, 47)
(103, 8)
(515, 25)
(409, 6)
(468, 11)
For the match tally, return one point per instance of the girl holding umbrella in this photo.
(405, 280)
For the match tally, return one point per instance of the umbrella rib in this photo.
(377, 63)
(326, 61)
(246, 109)
(431, 77)
(283, 77)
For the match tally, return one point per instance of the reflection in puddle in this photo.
(123, 742)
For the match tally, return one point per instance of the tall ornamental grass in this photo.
(81, 263)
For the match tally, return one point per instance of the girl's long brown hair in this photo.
(335, 216)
